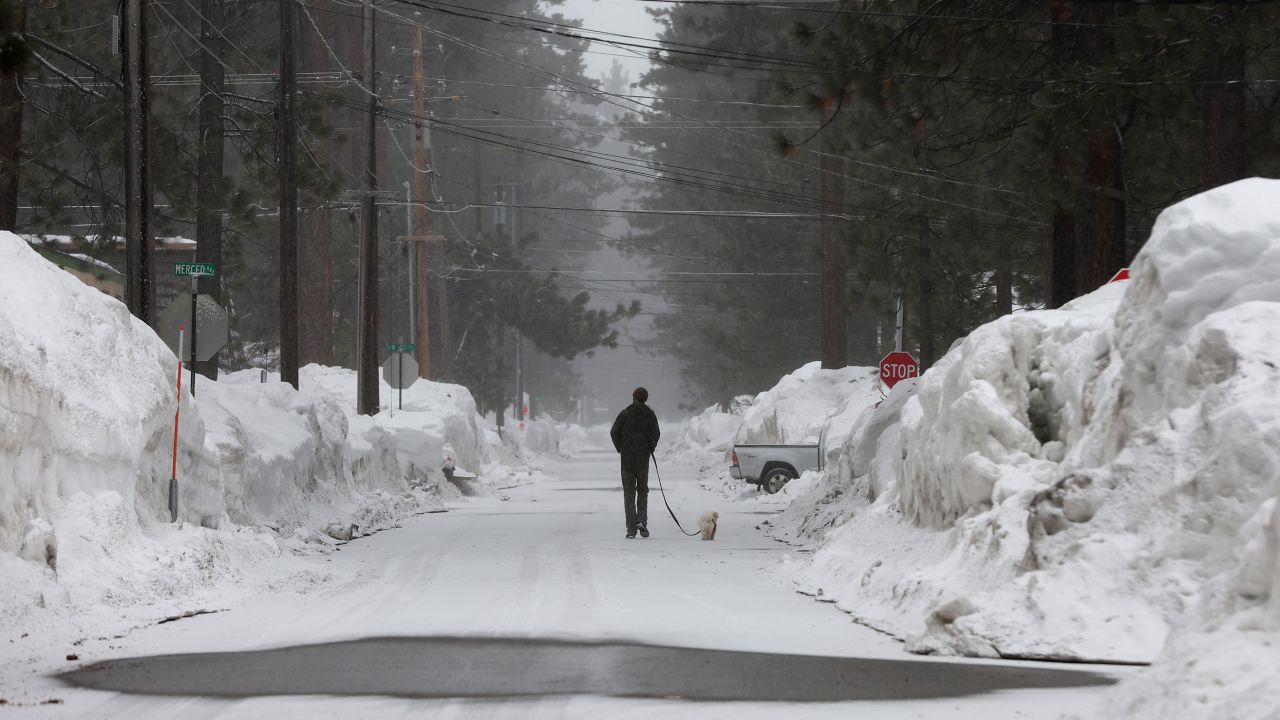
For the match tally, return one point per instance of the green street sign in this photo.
(401, 347)
(189, 269)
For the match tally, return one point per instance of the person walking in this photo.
(635, 436)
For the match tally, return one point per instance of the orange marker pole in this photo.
(177, 412)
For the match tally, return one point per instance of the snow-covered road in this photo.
(547, 561)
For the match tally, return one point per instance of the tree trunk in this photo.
(1059, 255)
(1086, 245)
(11, 136)
(1060, 243)
(210, 159)
(1004, 277)
(924, 295)
(1224, 131)
(1100, 213)
(1100, 203)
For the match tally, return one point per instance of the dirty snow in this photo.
(1093, 482)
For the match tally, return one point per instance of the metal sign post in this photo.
(195, 294)
(401, 369)
(195, 271)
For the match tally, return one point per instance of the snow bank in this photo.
(805, 407)
(86, 403)
(86, 420)
(709, 433)
(807, 403)
(1074, 483)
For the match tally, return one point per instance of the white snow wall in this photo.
(86, 403)
(86, 406)
(1140, 446)
(1075, 483)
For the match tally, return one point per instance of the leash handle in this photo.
(664, 498)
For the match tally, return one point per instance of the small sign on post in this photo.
(194, 269)
(400, 370)
(898, 366)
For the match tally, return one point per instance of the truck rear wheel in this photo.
(775, 478)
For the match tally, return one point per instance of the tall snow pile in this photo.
(709, 433)
(86, 430)
(807, 406)
(86, 406)
(1074, 483)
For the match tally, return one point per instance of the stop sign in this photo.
(898, 366)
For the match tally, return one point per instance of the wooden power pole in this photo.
(421, 243)
(367, 399)
(287, 170)
(210, 157)
(139, 242)
(834, 260)
(11, 135)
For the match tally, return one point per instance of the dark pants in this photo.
(635, 494)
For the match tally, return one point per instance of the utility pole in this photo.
(287, 170)
(367, 399)
(832, 255)
(316, 324)
(421, 244)
(900, 320)
(411, 249)
(519, 339)
(138, 239)
(210, 160)
(11, 135)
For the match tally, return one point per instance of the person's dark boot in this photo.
(644, 531)
(631, 534)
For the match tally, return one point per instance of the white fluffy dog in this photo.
(707, 524)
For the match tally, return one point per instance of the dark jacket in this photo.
(635, 433)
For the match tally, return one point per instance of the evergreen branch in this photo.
(77, 59)
(60, 73)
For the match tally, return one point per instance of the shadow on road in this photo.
(440, 667)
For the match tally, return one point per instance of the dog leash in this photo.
(664, 498)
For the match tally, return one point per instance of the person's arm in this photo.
(655, 433)
(616, 433)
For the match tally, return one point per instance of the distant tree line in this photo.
(995, 155)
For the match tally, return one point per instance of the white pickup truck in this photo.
(770, 467)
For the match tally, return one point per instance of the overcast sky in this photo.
(619, 16)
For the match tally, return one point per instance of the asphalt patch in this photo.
(444, 667)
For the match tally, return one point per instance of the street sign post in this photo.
(401, 347)
(400, 370)
(898, 366)
(207, 328)
(195, 271)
